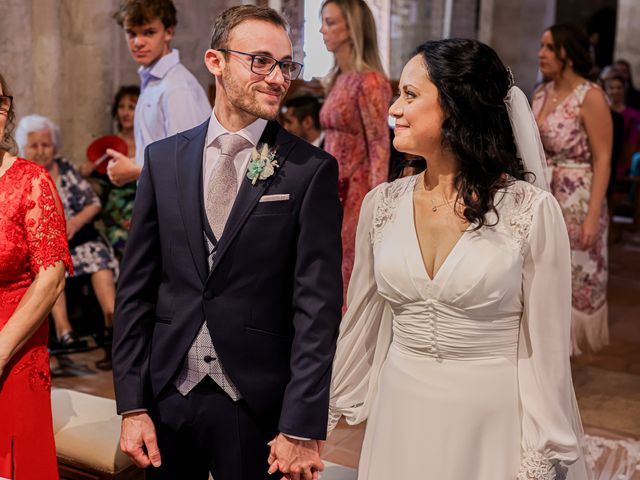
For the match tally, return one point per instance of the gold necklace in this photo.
(434, 206)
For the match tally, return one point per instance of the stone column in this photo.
(46, 48)
(514, 31)
(627, 37)
(381, 10)
(293, 11)
(412, 22)
(87, 63)
(16, 62)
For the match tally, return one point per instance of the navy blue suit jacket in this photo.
(272, 299)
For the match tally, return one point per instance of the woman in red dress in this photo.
(355, 116)
(33, 258)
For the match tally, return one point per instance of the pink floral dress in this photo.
(568, 155)
(354, 118)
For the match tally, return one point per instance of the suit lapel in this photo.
(249, 194)
(188, 166)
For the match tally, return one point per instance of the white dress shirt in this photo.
(171, 101)
(251, 132)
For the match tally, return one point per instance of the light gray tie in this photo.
(223, 183)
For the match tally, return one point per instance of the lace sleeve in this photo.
(365, 330)
(45, 225)
(551, 427)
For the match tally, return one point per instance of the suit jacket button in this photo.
(208, 358)
(208, 295)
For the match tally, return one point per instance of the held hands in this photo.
(296, 459)
(138, 439)
(121, 169)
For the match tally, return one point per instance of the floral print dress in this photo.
(568, 155)
(354, 118)
(95, 253)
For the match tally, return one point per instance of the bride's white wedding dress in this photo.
(465, 376)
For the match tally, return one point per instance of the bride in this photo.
(455, 344)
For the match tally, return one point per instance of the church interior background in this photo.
(65, 59)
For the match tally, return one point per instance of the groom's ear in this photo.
(214, 60)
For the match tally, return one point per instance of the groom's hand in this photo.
(138, 439)
(296, 459)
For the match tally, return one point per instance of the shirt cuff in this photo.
(294, 437)
(135, 410)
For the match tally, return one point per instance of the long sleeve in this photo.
(551, 429)
(136, 299)
(374, 99)
(184, 108)
(317, 299)
(365, 331)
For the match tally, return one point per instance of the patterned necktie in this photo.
(223, 183)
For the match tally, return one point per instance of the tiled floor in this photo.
(607, 384)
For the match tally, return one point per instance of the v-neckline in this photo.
(555, 107)
(414, 226)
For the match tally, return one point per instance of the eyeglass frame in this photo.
(278, 63)
(10, 97)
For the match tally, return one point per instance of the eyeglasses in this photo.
(5, 103)
(264, 64)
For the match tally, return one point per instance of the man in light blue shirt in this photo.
(171, 99)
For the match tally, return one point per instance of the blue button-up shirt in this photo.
(171, 101)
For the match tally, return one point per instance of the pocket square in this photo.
(274, 198)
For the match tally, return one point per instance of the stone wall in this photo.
(627, 36)
(66, 59)
(514, 29)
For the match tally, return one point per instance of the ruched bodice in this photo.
(443, 331)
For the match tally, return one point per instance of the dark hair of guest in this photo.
(7, 142)
(305, 106)
(472, 83)
(123, 91)
(575, 43)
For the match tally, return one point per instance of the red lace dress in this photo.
(32, 236)
(354, 118)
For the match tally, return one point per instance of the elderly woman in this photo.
(38, 141)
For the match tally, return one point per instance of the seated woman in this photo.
(38, 141)
(117, 201)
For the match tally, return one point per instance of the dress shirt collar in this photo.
(251, 132)
(318, 141)
(158, 69)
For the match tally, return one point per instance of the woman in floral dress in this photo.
(354, 115)
(33, 258)
(117, 201)
(576, 130)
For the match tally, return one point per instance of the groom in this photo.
(229, 300)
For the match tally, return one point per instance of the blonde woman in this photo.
(354, 114)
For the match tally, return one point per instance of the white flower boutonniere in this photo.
(262, 164)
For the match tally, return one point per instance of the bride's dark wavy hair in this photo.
(472, 83)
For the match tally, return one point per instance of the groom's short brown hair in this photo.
(234, 16)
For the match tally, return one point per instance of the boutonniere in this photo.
(262, 164)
